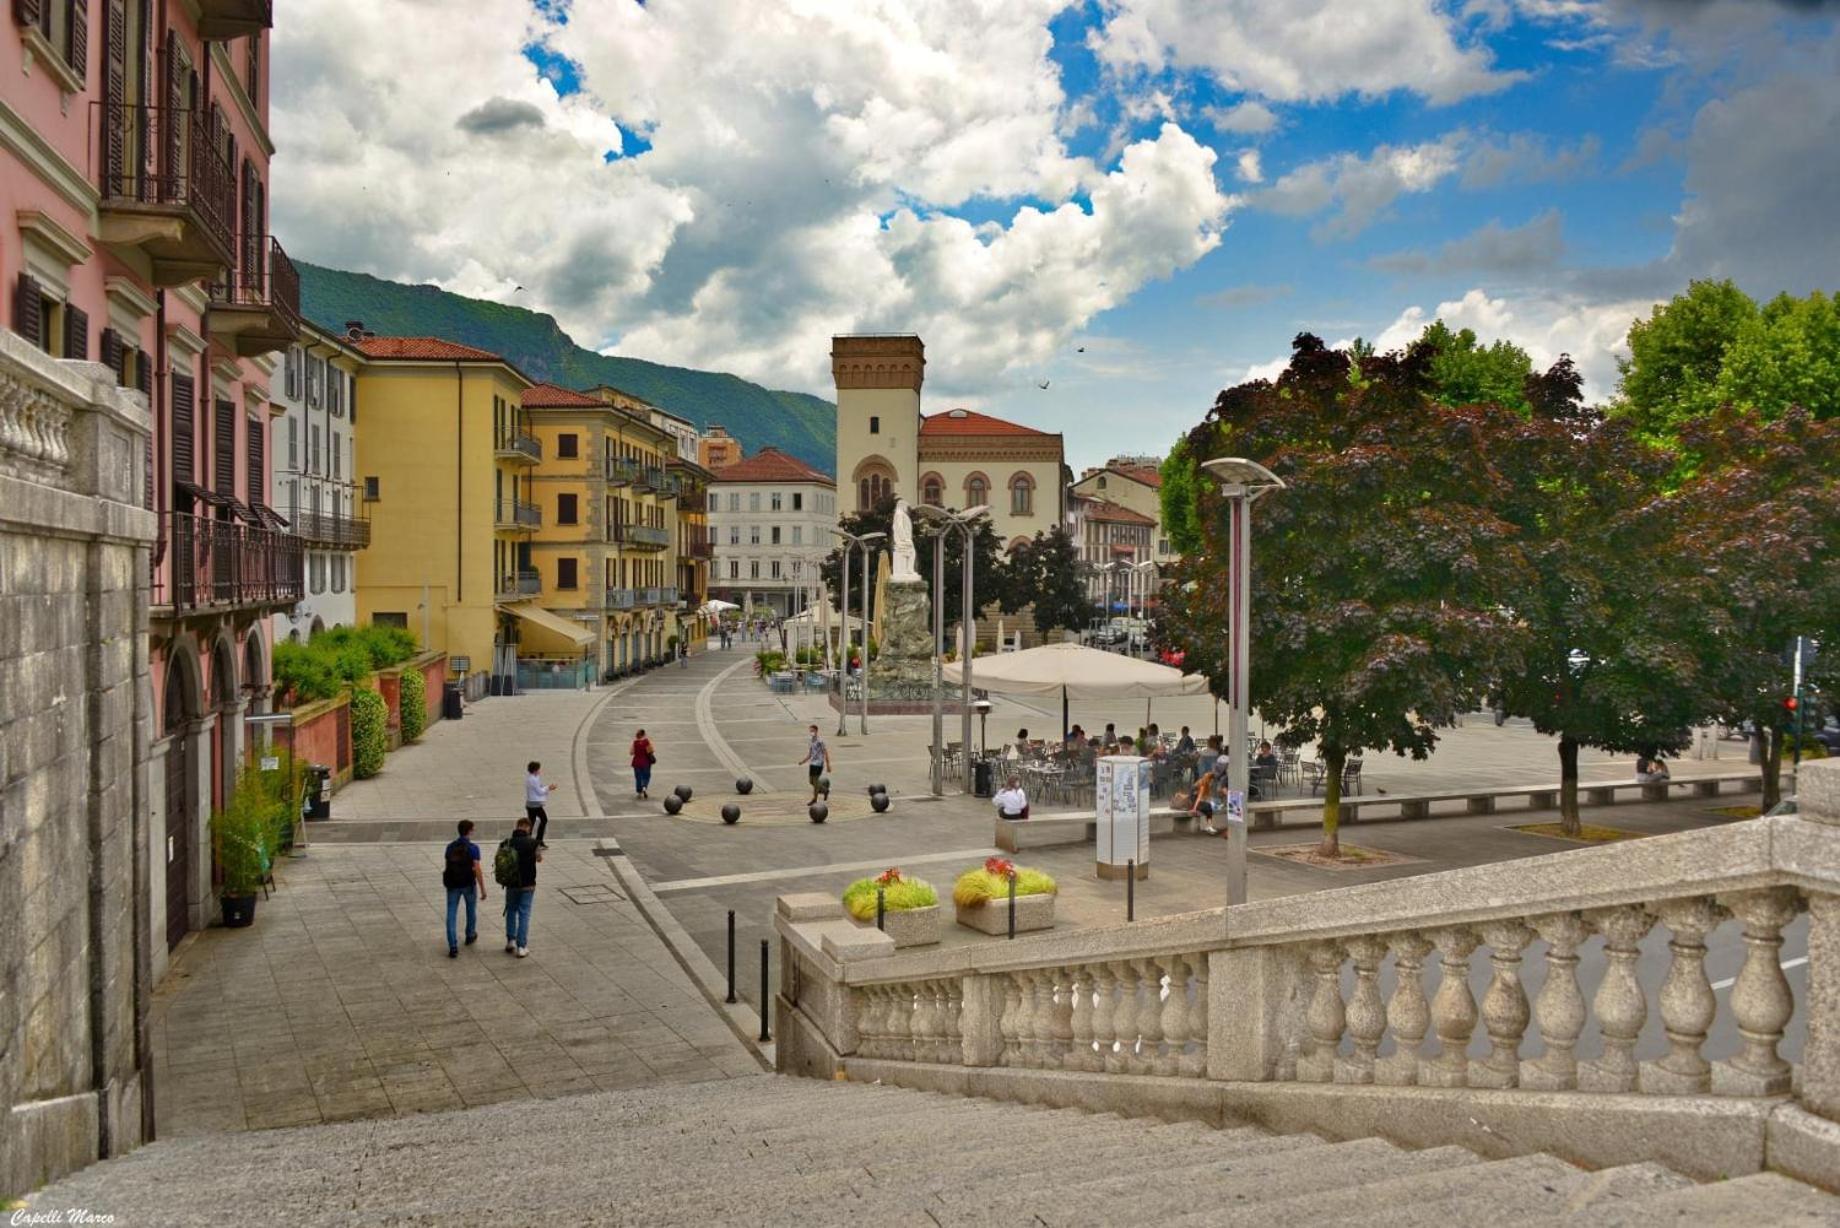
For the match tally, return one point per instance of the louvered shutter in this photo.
(184, 430)
(27, 321)
(114, 97)
(258, 450)
(173, 168)
(109, 345)
(76, 51)
(143, 371)
(76, 333)
(223, 452)
(147, 490)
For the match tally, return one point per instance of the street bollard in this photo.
(765, 998)
(731, 958)
(881, 906)
(1130, 891)
(1012, 905)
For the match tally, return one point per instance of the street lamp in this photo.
(843, 706)
(1242, 482)
(944, 524)
(1143, 602)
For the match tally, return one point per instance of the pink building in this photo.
(134, 164)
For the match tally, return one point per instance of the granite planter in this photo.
(1033, 912)
(914, 927)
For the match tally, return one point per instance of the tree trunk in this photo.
(1772, 768)
(1333, 760)
(1569, 822)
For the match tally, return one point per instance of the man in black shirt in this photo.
(519, 899)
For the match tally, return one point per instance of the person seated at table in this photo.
(1652, 770)
(1125, 746)
(1185, 745)
(1110, 740)
(1210, 755)
(1076, 739)
(1011, 802)
(1266, 761)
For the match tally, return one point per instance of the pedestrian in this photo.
(1011, 801)
(683, 656)
(643, 757)
(817, 761)
(464, 879)
(536, 797)
(519, 880)
(1110, 740)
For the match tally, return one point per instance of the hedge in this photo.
(325, 664)
(370, 717)
(412, 704)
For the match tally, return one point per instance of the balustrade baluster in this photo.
(1453, 1011)
(1687, 1003)
(1760, 998)
(1149, 1017)
(1066, 984)
(1504, 1006)
(901, 1024)
(1194, 1062)
(1560, 1009)
(921, 1049)
(952, 1051)
(1174, 1018)
(1620, 1005)
(1408, 1015)
(1366, 1012)
(1035, 1018)
(1105, 1017)
(1124, 1020)
(1325, 1018)
(1080, 1054)
(1010, 1026)
(869, 1021)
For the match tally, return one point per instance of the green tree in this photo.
(1176, 498)
(370, 717)
(1044, 572)
(1465, 372)
(1381, 576)
(1786, 355)
(1677, 354)
(989, 576)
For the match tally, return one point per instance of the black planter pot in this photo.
(239, 910)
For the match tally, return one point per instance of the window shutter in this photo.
(109, 344)
(143, 373)
(184, 429)
(174, 163)
(258, 451)
(147, 490)
(114, 96)
(26, 319)
(223, 452)
(76, 51)
(76, 333)
(27, 12)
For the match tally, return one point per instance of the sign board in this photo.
(1123, 802)
(271, 763)
(460, 665)
(1236, 806)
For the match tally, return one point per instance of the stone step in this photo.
(1757, 1199)
(1566, 1190)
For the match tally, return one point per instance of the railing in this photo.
(650, 596)
(640, 535)
(225, 563)
(156, 155)
(654, 478)
(622, 470)
(331, 530)
(519, 513)
(667, 595)
(520, 445)
(520, 584)
(264, 277)
(700, 547)
(619, 598)
(1289, 990)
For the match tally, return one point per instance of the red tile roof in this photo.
(1115, 513)
(1149, 477)
(970, 422)
(424, 348)
(553, 396)
(771, 465)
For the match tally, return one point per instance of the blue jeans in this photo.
(517, 914)
(642, 778)
(469, 893)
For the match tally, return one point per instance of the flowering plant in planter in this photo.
(991, 882)
(899, 894)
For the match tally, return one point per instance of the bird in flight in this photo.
(1042, 384)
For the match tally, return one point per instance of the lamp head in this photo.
(1236, 474)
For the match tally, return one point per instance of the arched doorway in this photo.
(181, 710)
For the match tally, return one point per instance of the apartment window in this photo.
(776, 535)
(932, 491)
(734, 501)
(1162, 545)
(776, 501)
(290, 374)
(338, 573)
(338, 454)
(714, 501)
(566, 447)
(753, 535)
(293, 443)
(774, 569)
(977, 491)
(1021, 495)
(316, 572)
(875, 425)
(313, 449)
(798, 501)
(798, 534)
(566, 573)
(390, 618)
(565, 509)
(734, 569)
(734, 535)
(372, 487)
(754, 501)
(797, 568)
(753, 569)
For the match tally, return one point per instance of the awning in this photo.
(270, 517)
(537, 616)
(203, 494)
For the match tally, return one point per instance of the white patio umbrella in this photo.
(1074, 670)
(716, 606)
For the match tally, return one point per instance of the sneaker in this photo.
(453, 952)
(471, 939)
(522, 952)
(1208, 829)
(510, 948)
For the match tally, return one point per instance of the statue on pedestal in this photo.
(903, 535)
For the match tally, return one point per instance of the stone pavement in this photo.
(341, 1002)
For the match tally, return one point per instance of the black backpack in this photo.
(457, 865)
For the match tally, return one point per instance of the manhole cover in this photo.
(597, 893)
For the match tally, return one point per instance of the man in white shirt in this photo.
(536, 797)
(1011, 801)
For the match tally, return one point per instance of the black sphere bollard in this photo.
(875, 789)
(683, 791)
(818, 812)
(673, 803)
(744, 786)
(765, 999)
(878, 802)
(731, 958)
(731, 813)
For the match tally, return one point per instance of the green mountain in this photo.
(795, 422)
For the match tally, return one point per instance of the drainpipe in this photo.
(459, 482)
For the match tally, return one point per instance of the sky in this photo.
(1096, 214)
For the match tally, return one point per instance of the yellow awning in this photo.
(537, 616)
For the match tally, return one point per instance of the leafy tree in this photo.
(1176, 497)
(1786, 355)
(989, 576)
(1465, 372)
(1381, 576)
(1677, 355)
(1045, 572)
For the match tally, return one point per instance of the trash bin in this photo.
(981, 775)
(450, 701)
(319, 791)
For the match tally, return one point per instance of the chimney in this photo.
(354, 330)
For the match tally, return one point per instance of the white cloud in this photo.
(804, 159)
(1249, 118)
(1248, 166)
(1491, 248)
(1358, 189)
(1266, 370)
(1525, 157)
(1303, 50)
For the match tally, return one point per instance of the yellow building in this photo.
(695, 549)
(447, 466)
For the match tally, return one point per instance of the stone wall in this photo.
(74, 712)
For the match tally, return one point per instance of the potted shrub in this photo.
(981, 897)
(412, 703)
(243, 842)
(369, 734)
(911, 913)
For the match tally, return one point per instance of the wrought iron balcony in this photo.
(258, 302)
(643, 536)
(619, 599)
(223, 20)
(331, 530)
(167, 190)
(514, 514)
(519, 446)
(655, 479)
(649, 596)
(700, 546)
(225, 564)
(668, 595)
(622, 471)
(519, 584)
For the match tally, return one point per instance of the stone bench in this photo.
(1050, 830)
(1272, 814)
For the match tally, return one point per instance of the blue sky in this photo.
(1137, 202)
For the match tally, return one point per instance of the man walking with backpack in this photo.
(515, 868)
(465, 879)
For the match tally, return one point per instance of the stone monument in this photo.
(903, 534)
(906, 660)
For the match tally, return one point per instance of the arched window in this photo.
(1022, 495)
(977, 491)
(874, 482)
(933, 490)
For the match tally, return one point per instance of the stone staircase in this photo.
(772, 1149)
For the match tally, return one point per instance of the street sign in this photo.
(271, 763)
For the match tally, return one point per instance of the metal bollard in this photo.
(1012, 905)
(1130, 891)
(765, 996)
(731, 958)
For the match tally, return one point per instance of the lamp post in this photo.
(1241, 482)
(1145, 568)
(861, 542)
(944, 524)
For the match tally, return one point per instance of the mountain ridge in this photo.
(795, 422)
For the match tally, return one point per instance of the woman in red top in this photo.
(643, 757)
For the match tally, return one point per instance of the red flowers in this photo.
(1002, 867)
(888, 877)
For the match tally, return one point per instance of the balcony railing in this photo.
(520, 446)
(657, 480)
(650, 596)
(641, 535)
(619, 599)
(668, 595)
(520, 584)
(160, 166)
(517, 514)
(259, 300)
(331, 530)
(224, 564)
(700, 548)
(622, 471)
